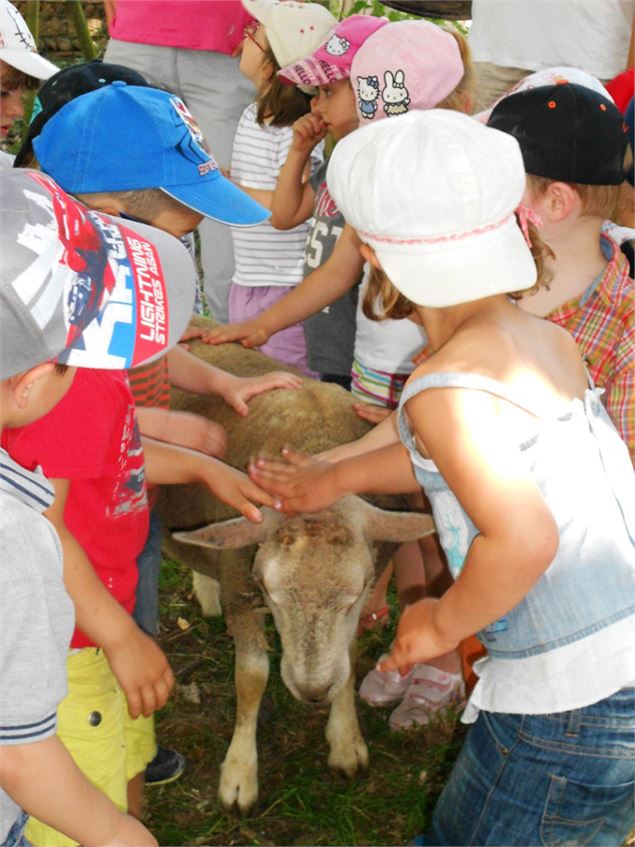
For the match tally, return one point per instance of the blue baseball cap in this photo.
(126, 137)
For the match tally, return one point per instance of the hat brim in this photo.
(29, 63)
(223, 202)
(460, 270)
(311, 73)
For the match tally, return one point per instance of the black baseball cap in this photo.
(64, 86)
(566, 132)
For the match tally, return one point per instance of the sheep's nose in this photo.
(317, 695)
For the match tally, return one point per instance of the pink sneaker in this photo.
(381, 688)
(430, 691)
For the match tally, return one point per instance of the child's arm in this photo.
(293, 199)
(518, 537)
(319, 289)
(306, 485)
(183, 428)
(45, 781)
(169, 464)
(138, 663)
(190, 373)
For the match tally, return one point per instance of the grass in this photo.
(301, 801)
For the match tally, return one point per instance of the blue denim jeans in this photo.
(15, 836)
(146, 610)
(560, 779)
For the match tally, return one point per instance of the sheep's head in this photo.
(315, 572)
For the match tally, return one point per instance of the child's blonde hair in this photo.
(460, 100)
(597, 200)
(279, 104)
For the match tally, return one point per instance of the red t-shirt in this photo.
(92, 439)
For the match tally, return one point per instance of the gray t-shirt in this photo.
(330, 334)
(36, 616)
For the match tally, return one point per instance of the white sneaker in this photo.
(429, 692)
(381, 688)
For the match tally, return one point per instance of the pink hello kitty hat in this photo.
(403, 66)
(332, 60)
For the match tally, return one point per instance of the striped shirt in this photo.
(602, 321)
(36, 616)
(263, 255)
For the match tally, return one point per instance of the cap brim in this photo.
(312, 73)
(29, 63)
(221, 201)
(459, 271)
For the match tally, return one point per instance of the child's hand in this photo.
(301, 484)
(129, 831)
(197, 433)
(236, 489)
(308, 131)
(371, 412)
(242, 389)
(142, 670)
(418, 638)
(250, 333)
(190, 333)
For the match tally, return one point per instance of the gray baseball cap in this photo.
(83, 288)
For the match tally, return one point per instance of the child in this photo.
(329, 333)
(268, 262)
(574, 142)
(101, 507)
(531, 487)
(54, 253)
(21, 69)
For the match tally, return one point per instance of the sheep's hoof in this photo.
(349, 758)
(238, 786)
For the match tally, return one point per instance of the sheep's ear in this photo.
(229, 535)
(395, 526)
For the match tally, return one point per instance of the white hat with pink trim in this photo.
(293, 29)
(434, 195)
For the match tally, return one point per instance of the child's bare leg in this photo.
(135, 795)
(377, 602)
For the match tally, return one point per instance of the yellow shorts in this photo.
(94, 725)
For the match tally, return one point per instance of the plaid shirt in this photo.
(602, 321)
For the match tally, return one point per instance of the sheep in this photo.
(314, 572)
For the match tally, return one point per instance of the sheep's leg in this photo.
(207, 592)
(348, 749)
(239, 772)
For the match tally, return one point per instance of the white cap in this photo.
(434, 193)
(549, 76)
(294, 29)
(17, 46)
